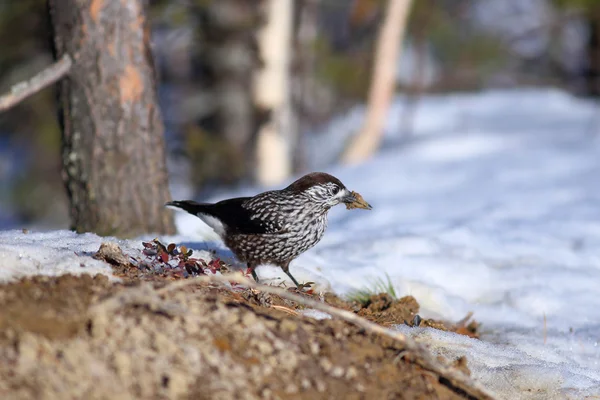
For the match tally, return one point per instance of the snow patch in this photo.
(316, 314)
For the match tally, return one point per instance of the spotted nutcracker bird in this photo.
(277, 226)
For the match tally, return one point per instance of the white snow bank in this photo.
(62, 252)
(512, 372)
(51, 253)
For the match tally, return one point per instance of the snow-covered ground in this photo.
(493, 207)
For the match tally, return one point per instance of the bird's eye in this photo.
(336, 189)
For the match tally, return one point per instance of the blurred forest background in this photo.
(209, 61)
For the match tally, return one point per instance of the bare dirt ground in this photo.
(88, 338)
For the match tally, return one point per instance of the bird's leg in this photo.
(292, 278)
(252, 267)
(286, 268)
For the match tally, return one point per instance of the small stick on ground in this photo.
(466, 319)
(285, 309)
(42, 79)
(456, 380)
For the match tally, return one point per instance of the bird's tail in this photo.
(190, 206)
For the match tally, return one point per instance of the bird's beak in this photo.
(355, 200)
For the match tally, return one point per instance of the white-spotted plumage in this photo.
(294, 223)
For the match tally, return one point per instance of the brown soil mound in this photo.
(83, 337)
(381, 308)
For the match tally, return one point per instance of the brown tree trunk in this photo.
(113, 146)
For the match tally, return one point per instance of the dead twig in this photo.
(456, 380)
(285, 309)
(463, 322)
(42, 79)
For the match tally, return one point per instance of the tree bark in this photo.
(113, 156)
(388, 47)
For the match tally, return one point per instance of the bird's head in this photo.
(327, 191)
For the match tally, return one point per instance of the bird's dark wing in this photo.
(235, 215)
(242, 217)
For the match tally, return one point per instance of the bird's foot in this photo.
(301, 286)
(306, 287)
